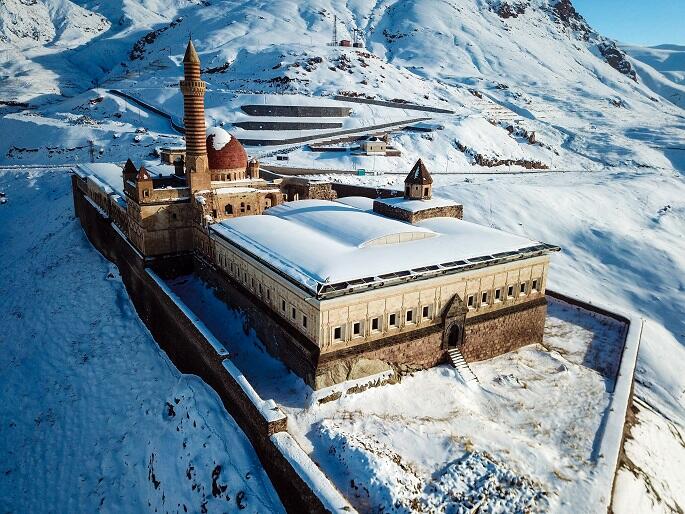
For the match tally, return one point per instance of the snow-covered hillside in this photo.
(535, 63)
(93, 416)
(662, 68)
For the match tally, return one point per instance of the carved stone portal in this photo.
(454, 319)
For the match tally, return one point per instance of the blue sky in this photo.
(640, 22)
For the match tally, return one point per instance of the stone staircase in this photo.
(462, 366)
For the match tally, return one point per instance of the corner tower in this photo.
(193, 89)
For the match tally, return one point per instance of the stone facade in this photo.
(295, 188)
(488, 336)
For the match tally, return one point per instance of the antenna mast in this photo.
(335, 30)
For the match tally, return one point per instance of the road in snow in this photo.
(94, 417)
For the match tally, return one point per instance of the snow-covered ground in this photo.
(94, 417)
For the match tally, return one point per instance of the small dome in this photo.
(224, 152)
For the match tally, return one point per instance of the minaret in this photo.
(193, 89)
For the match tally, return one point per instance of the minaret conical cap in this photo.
(191, 54)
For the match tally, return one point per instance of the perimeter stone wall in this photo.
(192, 353)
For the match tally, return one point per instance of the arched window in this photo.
(242, 206)
(248, 207)
(228, 209)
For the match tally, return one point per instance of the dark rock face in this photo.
(506, 10)
(617, 59)
(566, 14)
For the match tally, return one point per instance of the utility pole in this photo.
(357, 33)
(91, 150)
(335, 30)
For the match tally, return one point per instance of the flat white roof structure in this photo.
(330, 248)
(107, 172)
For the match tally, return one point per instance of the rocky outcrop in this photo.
(506, 10)
(616, 58)
(565, 13)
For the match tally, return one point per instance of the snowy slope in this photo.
(85, 426)
(662, 69)
(542, 64)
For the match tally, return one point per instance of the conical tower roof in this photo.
(419, 174)
(130, 168)
(191, 54)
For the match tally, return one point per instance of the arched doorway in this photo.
(454, 338)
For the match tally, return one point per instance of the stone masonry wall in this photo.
(489, 336)
(398, 213)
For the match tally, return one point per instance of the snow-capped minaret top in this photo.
(193, 89)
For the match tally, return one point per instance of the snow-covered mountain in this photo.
(661, 68)
(590, 104)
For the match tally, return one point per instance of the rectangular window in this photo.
(523, 288)
(375, 324)
(426, 312)
(410, 316)
(510, 291)
(260, 290)
(498, 295)
(356, 328)
(283, 305)
(535, 285)
(304, 321)
(392, 320)
(484, 298)
(293, 313)
(337, 333)
(470, 301)
(268, 294)
(252, 282)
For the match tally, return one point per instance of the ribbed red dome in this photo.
(230, 156)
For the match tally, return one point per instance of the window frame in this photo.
(377, 321)
(471, 301)
(409, 317)
(395, 323)
(340, 337)
(498, 295)
(510, 291)
(357, 329)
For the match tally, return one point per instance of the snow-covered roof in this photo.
(418, 205)
(107, 172)
(158, 170)
(347, 224)
(327, 247)
(221, 137)
(360, 202)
